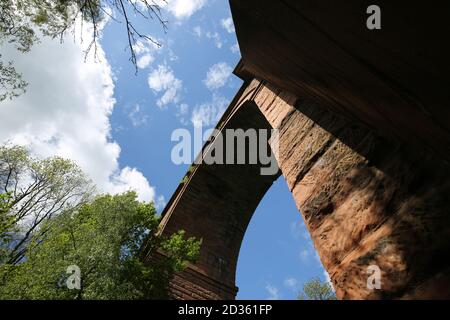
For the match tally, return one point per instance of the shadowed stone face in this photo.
(366, 201)
(215, 204)
(363, 145)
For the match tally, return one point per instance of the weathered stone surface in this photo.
(364, 202)
(393, 79)
(374, 190)
(215, 204)
(364, 148)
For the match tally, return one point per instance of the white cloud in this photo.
(228, 25)
(66, 111)
(235, 48)
(316, 255)
(291, 283)
(215, 36)
(137, 117)
(182, 113)
(328, 279)
(144, 61)
(218, 75)
(183, 108)
(305, 255)
(162, 79)
(172, 56)
(160, 203)
(182, 9)
(145, 51)
(132, 179)
(143, 46)
(209, 113)
(198, 32)
(274, 293)
(298, 229)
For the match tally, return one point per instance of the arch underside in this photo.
(215, 203)
(364, 199)
(364, 136)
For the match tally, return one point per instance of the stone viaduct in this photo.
(364, 147)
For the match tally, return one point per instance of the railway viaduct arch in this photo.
(364, 148)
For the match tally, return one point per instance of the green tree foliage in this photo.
(11, 83)
(50, 221)
(32, 191)
(316, 289)
(23, 21)
(6, 222)
(104, 239)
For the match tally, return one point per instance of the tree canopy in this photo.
(52, 224)
(316, 289)
(32, 192)
(23, 21)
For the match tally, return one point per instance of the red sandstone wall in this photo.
(365, 200)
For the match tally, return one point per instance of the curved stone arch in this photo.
(358, 194)
(215, 203)
(367, 163)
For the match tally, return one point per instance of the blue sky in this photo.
(118, 125)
